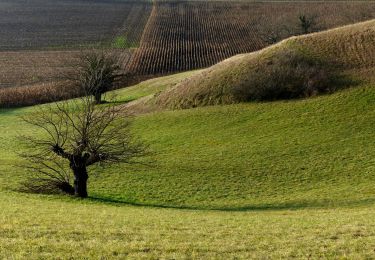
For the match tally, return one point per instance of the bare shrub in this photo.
(37, 94)
(307, 23)
(287, 75)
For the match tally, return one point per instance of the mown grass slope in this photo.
(305, 153)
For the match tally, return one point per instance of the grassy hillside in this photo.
(348, 50)
(284, 154)
(304, 153)
(268, 165)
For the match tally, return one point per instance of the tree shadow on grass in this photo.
(264, 207)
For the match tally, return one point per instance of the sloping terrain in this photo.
(294, 179)
(278, 180)
(172, 36)
(305, 153)
(349, 50)
(301, 153)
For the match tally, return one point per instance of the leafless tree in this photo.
(96, 72)
(75, 135)
(307, 24)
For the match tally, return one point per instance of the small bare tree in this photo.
(307, 23)
(80, 134)
(96, 73)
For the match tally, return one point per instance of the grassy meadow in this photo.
(36, 227)
(260, 180)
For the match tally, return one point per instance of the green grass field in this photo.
(34, 227)
(270, 180)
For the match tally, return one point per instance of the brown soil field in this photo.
(183, 36)
(19, 68)
(41, 24)
(40, 39)
(34, 77)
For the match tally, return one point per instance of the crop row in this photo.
(40, 39)
(189, 35)
(60, 24)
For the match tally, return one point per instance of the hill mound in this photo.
(347, 52)
(304, 153)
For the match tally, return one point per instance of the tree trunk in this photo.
(80, 182)
(98, 98)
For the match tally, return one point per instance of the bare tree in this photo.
(80, 134)
(307, 23)
(96, 73)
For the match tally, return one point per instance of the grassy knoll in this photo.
(284, 154)
(349, 50)
(293, 179)
(305, 153)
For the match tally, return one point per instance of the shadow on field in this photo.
(283, 206)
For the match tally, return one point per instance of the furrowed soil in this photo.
(189, 35)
